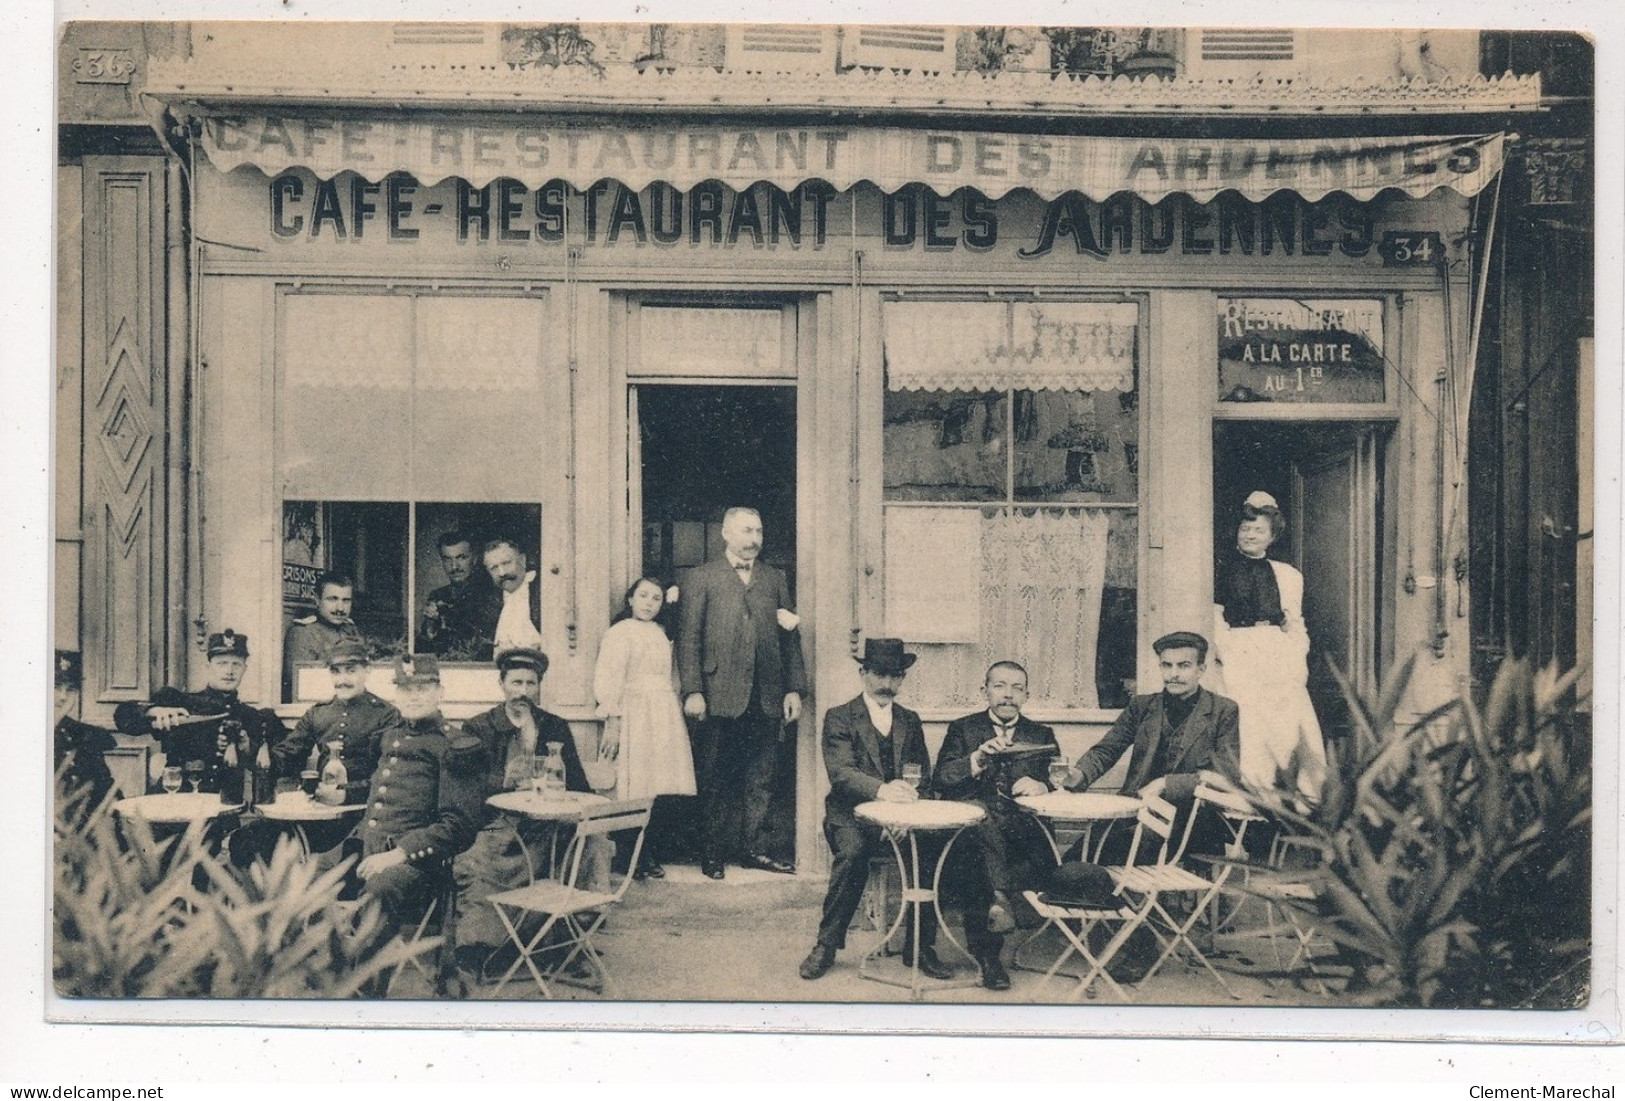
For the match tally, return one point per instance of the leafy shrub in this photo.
(139, 916)
(1452, 854)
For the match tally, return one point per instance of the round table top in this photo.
(1081, 804)
(296, 806)
(559, 806)
(923, 814)
(176, 809)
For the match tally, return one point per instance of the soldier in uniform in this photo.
(78, 746)
(457, 616)
(187, 724)
(354, 718)
(426, 797)
(311, 638)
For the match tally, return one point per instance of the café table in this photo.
(557, 808)
(297, 809)
(1086, 808)
(180, 808)
(905, 822)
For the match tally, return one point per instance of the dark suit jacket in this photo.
(729, 640)
(852, 753)
(487, 613)
(992, 788)
(1212, 741)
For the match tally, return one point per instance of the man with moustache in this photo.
(991, 758)
(454, 614)
(188, 724)
(867, 741)
(739, 661)
(351, 722)
(513, 619)
(311, 638)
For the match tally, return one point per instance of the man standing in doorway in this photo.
(514, 621)
(454, 613)
(311, 638)
(739, 660)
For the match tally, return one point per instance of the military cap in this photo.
(1182, 639)
(417, 669)
(69, 671)
(347, 651)
(228, 643)
(522, 657)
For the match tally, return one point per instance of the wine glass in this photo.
(194, 775)
(172, 779)
(1059, 773)
(912, 774)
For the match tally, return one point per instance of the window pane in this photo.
(945, 445)
(345, 411)
(478, 426)
(1077, 446)
(463, 626)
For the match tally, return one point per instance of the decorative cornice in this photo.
(702, 90)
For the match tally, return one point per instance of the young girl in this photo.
(644, 731)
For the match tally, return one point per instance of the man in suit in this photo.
(311, 638)
(1176, 733)
(991, 758)
(739, 660)
(456, 614)
(867, 742)
(513, 612)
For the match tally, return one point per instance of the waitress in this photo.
(1262, 649)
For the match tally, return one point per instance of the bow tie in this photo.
(743, 567)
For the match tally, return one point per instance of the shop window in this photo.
(402, 416)
(1011, 513)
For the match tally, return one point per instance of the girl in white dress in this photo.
(1262, 650)
(644, 731)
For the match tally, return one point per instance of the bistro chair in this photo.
(1077, 919)
(576, 913)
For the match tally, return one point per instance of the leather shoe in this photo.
(765, 863)
(713, 869)
(994, 976)
(930, 966)
(818, 961)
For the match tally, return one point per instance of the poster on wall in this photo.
(1312, 351)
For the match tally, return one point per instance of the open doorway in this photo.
(1327, 477)
(697, 451)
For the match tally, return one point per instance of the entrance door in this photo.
(695, 451)
(1327, 478)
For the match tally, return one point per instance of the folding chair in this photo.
(1155, 882)
(579, 913)
(441, 911)
(1237, 814)
(1076, 922)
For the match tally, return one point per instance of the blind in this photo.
(1010, 345)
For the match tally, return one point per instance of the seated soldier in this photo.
(309, 639)
(188, 724)
(989, 759)
(514, 734)
(424, 805)
(78, 747)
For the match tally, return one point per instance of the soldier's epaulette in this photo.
(305, 620)
(465, 753)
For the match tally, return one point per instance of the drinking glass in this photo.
(912, 774)
(538, 775)
(1059, 773)
(194, 775)
(172, 779)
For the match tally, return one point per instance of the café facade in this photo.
(997, 386)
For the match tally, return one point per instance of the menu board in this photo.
(1312, 351)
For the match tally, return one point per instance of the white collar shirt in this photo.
(879, 713)
(514, 628)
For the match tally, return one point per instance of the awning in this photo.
(1010, 345)
(434, 149)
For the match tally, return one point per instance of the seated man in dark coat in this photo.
(990, 758)
(188, 724)
(78, 747)
(867, 743)
(425, 803)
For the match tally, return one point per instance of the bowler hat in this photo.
(228, 643)
(1078, 883)
(416, 669)
(1182, 639)
(347, 651)
(68, 669)
(886, 656)
(522, 657)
